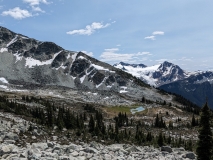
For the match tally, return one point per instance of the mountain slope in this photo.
(196, 88)
(156, 75)
(29, 65)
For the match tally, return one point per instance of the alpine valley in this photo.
(60, 104)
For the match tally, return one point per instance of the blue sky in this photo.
(148, 32)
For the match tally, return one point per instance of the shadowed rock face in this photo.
(59, 60)
(79, 66)
(6, 35)
(98, 78)
(195, 88)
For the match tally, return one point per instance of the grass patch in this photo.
(121, 109)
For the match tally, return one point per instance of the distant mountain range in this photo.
(26, 63)
(156, 75)
(195, 86)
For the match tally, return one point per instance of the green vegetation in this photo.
(90, 122)
(205, 143)
(117, 109)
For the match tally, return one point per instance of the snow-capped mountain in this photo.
(25, 60)
(156, 75)
(29, 64)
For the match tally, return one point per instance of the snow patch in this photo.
(82, 78)
(12, 41)
(3, 86)
(99, 67)
(24, 37)
(81, 57)
(3, 80)
(30, 62)
(68, 56)
(73, 77)
(3, 50)
(18, 57)
(123, 89)
(74, 56)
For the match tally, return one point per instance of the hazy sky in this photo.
(136, 31)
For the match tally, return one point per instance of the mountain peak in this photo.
(123, 64)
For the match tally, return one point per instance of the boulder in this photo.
(133, 149)
(11, 136)
(166, 149)
(190, 155)
(40, 146)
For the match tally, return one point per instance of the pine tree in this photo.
(193, 121)
(160, 139)
(205, 143)
(91, 124)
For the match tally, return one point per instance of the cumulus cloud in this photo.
(111, 55)
(150, 37)
(17, 13)
(89, 29)
(35, 2)
(88, 53)
(158, 33)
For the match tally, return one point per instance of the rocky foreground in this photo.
(17, 144)
(93, 151)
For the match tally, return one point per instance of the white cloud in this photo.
(110, 55)
(17, 13)
(111, 50)
(35, 2)
(161, 60)
(37, 9)
(158, 33)
(88, 53)
(150, 37)
(90, 29)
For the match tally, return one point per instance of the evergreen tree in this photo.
(193, 121)
(205, 143)
(91, 124)
(160, 139)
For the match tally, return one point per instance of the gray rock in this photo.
(133, 149)
(166, 148)
(40, 146)
(50, 144)
(11, 136)
(90, 150)
(64, 158)
(190, 155)
(74, 154)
